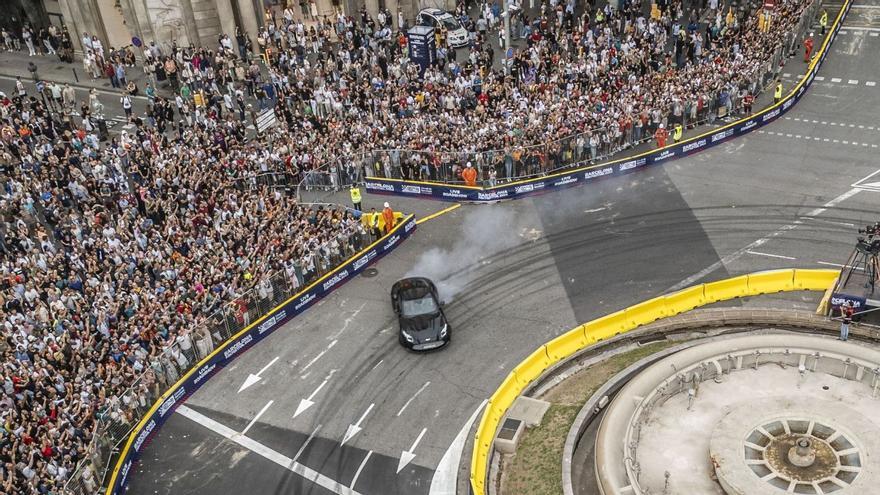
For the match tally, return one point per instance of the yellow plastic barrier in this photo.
(685, 300)
(365, 219)
(606, 327)
(482, 446)
(771, 281)
(508, 391)
(533, 366)
(646, 312)
(579, 338)
(566, 344)
(730, 288)
(807, 279)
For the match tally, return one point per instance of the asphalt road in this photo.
(517, 274)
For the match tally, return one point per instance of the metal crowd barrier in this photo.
(115, 422)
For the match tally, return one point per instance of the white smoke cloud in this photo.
(487, 230)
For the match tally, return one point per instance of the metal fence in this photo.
(115, 421)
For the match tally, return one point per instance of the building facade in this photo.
(198, 22)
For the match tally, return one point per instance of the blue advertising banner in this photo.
(250, 336)
(576, 176)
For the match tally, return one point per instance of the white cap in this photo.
(387, 205)
(469, 164)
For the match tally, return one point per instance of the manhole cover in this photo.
(370, 272)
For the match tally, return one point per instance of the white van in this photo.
(456, 35)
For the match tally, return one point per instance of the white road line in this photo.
(836, 79)
(845, 224)
(412, 398)
(307, 402)
(838, 265)
(819, 78)
(355, 428)
(726, 260)
(357, 474)
(267, 453)
(253, 421)
(853, 81)
(408, 455)
(870, 83)
(771, 255)
(787, 74)
(306, 444)
(320, 354)
(874, 34)
(377, 364)
(445, 480)
(254, 378)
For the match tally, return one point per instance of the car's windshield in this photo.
(415, 307)
(450, 23)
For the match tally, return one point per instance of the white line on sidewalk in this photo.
(412, 398)
(726, 260)
(758, 253)
(357, 474)
(253, 421)
(267, 453)
(445, 478)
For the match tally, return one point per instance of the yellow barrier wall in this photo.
(569, 343)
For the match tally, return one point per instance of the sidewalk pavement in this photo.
(50, 68)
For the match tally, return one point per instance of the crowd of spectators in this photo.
(112, 250)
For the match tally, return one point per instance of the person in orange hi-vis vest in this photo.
(661, 136)
(469, 174)
(388, 216)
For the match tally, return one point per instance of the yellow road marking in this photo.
(435, 215)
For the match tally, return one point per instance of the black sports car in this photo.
(423, 325)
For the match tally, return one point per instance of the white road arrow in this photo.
(356, 428)
(307, 403)
(408, 455)
(252, 378)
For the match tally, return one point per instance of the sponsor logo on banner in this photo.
(378, 186)
(493, 195)
(303, 301)
(693, 146)
(204, 372)
(812, 75)
(839, 299)
(238, 346)
(662, 156)
(123, 473)
(139, 441)
(718, 136)
(416, 190)
(748, 125)
(632, 164)
(335, 279)
(454, 193)
(169, 402)
(409, 225)
(363, 260)
(527, 188)
(599, 172)
(789, 103)
(568, 179)
(271, 321)
(770, 115)
(391, 242)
